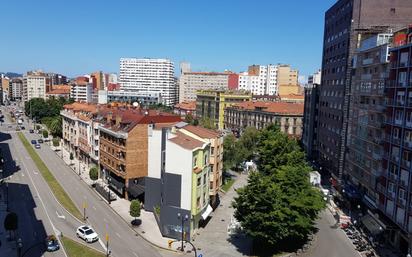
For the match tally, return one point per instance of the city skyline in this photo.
(215, 37)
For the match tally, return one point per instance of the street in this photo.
(122, 239)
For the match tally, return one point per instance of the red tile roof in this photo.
(202, 132)
(189, 106)
(272, 107)
(186, 141)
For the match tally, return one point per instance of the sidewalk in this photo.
(7, 248)
(213, 239)
(148, 229)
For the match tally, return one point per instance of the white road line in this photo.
(135, 254)
(117, 234)
(94, 208)
(35, 173)
(103, 245)
(60, 216)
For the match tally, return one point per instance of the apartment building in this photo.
(80, 134)
(346, 23)
(16, 89)
(211, 104)
(394, 183)
(366, 116)
(57, 91)
(120, 96)
(190, 82)
(56, 79)
(149, 75)
(215, 139)
(260, 114)
(81, 90)
(185, 108)
(35, 85)
(124, 147)
(177, 190)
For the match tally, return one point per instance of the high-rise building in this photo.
(149, 75)
(35, 84)
(81, 90)
(346, 23)
(56, 79)
(97, 80)
(363, 160)
(310, 118)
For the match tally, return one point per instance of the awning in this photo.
(135, 190)
(207, 212)
(372, 225)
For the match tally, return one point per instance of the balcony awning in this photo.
(207, 212)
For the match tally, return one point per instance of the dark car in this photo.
(34, 142)
(31, 131)
(40, 141)
(22, 127)
(52, 244)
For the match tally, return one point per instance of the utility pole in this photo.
(185, 218)
(107, 245)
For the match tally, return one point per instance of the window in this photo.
(204, 178)
(199, 181)
(212, 150)
(198, 202)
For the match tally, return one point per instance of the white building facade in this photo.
(260, 80)
(35, 85)
(149, 75)
(81, 93)
(190, 82)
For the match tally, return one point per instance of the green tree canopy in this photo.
(56, 128)
(135, 207)
(45, 133)
(93, 173)
(279, 208)
(275, 149)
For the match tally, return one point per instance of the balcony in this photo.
(393, 177)
(406, 163)
(96, 137)
(398, 122)
(367, 61)
(395, 158)
(366, 76)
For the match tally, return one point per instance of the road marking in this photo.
(60, 216)
(104, 219)
(135, 254)
(36, 173)
(94, 208)
(103, 245)
(117, 234)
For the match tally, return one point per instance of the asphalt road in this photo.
(122, 239)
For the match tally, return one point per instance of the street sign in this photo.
(200, 255)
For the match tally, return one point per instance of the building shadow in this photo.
(242, 243)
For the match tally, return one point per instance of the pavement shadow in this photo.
(31, 230)
(242, 243)
(10, 166)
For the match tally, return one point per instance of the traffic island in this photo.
(57, 190)
(76, 249)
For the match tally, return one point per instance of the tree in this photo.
(71, 157)
(135, 207)
(11, 222)
(247, 143)
(278, 209)
(189, 118)
(93, 174)
(229, 151)
(56, 126)
(45, 133)
(208, 123)
(275, 149)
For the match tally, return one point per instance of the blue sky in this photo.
(76, 37)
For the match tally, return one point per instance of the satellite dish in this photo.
(135, 104)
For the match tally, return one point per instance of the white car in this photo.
(87, 234)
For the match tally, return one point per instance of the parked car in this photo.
(87, 234)
(31, 131)
(37, 146)
(52, 244)
(40, 141)
(33, 142)
(22, 128)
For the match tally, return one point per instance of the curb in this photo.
(82, 243)
(114, 211)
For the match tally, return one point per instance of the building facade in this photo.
(142, 98)
(310, 120)
(211, 104)
(190, 82)
(16, 89)
(81, 91)
(35, 85)
(288, 116)
(346, 23)
(149, 75)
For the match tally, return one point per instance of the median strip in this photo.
(54, 185)
(75, 249)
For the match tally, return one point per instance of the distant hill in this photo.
(11, 74)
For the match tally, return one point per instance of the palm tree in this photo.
(56, 126)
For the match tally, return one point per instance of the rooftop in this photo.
(186, 105)
(186, 141)
(201, 132)
(282, 108)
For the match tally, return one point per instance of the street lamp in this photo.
(185, 218)
(19, 246)
(7, 197)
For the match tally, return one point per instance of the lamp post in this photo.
(19, 246)
(185, 218)
(7, 197)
